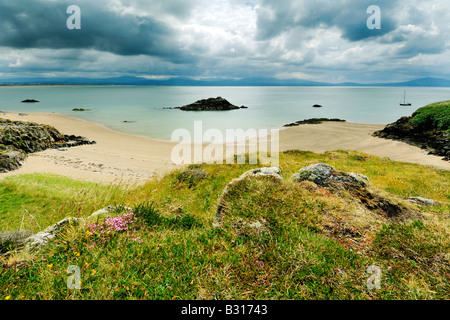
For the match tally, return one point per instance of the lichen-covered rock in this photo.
(322, 174)
(265, 171)
(38, 240)
(423, 201)
(107, 211)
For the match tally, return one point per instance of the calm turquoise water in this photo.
(268, 107)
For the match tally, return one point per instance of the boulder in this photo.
(105, 211)
(11, 160)
(423, 201)
(322, 174)
(265, 171)
(40, 239)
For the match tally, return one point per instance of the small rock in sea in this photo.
(313, 121)
(128, 121)
(80, 109)
(29, 101)
(317, 106)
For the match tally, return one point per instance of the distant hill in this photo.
(179, 81)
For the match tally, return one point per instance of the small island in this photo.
(29, 101)
(210, 104)
(80, 109)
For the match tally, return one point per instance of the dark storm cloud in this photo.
(276, 17)
(311, 39)
(40, 24)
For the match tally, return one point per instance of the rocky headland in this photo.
(427, 128)
(19, 138)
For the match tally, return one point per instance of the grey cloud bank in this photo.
(313, 40)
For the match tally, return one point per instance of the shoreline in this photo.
(119, 157)
(115, 158)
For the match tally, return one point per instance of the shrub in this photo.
(152, 217)
(435, 115)
(192, 175)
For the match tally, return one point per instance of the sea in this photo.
(146, 110)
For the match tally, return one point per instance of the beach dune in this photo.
(119, 157)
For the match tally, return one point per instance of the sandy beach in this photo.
(118, 157)
(354, 136)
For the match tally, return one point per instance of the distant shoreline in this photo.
(245, 82)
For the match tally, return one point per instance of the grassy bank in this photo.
(314, 246)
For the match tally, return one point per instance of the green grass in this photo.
(172, 251)
(435, 115)
(38, 194)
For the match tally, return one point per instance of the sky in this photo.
(314, 40)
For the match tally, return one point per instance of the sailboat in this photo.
(404, 103)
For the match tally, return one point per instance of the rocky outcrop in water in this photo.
(312, 121)
(29, 101)
(19, 138)
(80, 109)
(211, 104)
